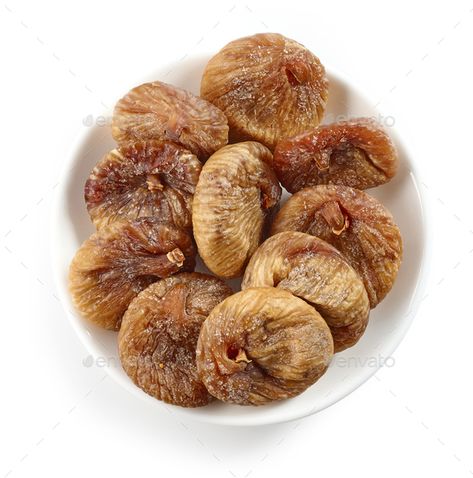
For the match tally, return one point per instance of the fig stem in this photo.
(242, 357)
(292, 78)
(335, 218)
(162, 265)
(176, 257)
(345, 226)
(322, 160)
(154, 183)
(174, 127)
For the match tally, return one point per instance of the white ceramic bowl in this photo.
(389, 321)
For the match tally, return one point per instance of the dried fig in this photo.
(356, 224)
(316, 272)
(122, 259)
(143, 179)
(356, 153)
(158, 336)
(260, 345)
(269, 87)
(163, 112)
(236, 192)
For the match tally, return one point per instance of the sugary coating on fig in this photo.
(316, 272)
(236, 193)
(356, 224)
(146, 179)
(120, 260)
(159, 332)
(260, 345)
(164, 112)
(356, 153)
(269, 86)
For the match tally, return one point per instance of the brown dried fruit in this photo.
(356, 153)
(163, 112)
(315, 271)
(269, 87)
(260, 345)
(356, 224)
(122, 259)
(158, 337)
(236, 192)
(141, 180)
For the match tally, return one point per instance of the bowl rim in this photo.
(251, 420)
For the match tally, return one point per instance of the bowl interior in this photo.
(389, 321)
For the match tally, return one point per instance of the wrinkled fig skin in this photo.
(356, 224)
(316, 272)
(268, 86)
(147, 179)
(260, 345)
(122, 259)
(236, 193)
(158, 111)
(159, 333)
(356, 153)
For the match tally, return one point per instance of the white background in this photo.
(60, 415)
